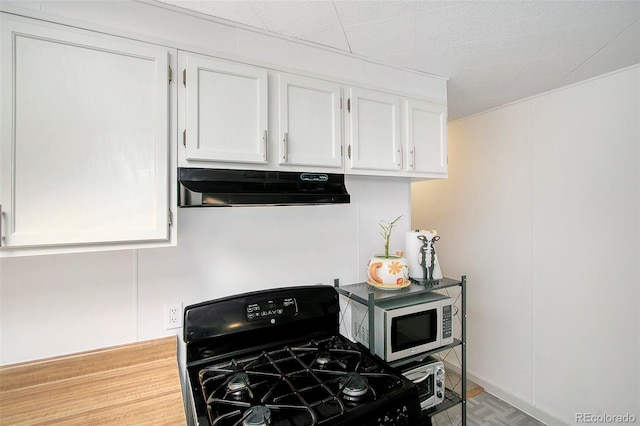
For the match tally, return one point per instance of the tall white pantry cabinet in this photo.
(85, 137)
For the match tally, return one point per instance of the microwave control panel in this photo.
(447, 317)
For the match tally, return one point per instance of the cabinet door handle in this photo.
(412, 165)
(2, 216)
(285, 147)
(401, 159)
(265, 139)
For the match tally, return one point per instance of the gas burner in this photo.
(238, 383)
(257, 416)
(323, 358)
(354, 385)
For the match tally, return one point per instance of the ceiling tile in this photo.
(383, 37)
(519, 17)
(542, 75)
(359, 12)
(493, 92)
(483, 75)
(629, 38)
(588, 38)
(296, 17)
(516, 48)
(446, 27)
(620, 53)
(551, 68)
(605, 61)
(467, 101)
(441, 63)
(333, 37)
(592, 12)
(236, 11)
(404, 60)
(447, 61)
(423, 5)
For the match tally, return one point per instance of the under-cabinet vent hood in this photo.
(225, 187)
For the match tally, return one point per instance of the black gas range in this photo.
(275, 357)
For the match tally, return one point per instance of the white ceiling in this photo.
(493, 52)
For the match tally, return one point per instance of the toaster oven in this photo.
(429, 376)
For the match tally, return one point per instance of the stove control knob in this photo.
(439, 394)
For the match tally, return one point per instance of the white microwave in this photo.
(405, 326)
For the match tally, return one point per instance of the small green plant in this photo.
(385, 231)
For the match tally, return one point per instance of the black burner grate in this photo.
(299, 385)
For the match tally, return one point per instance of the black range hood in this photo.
(226, 187)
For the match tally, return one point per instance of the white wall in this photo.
(53, 305)
(542, 212)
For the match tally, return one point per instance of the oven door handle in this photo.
(417, 375)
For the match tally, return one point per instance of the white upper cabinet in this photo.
(225, 116)
(84, 153)
(373, 131)
(426, 137)
(383, 139)
(310, 123)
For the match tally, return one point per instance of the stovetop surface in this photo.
(326, 380)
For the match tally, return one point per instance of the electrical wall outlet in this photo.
(173, 315)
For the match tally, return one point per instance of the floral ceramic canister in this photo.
(390, 272)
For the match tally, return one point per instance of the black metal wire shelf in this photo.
(370, 295)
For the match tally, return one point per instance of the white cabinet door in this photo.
(374, 130)
(310, 122)
(226, 110)
(426, 136)
(84, 153)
